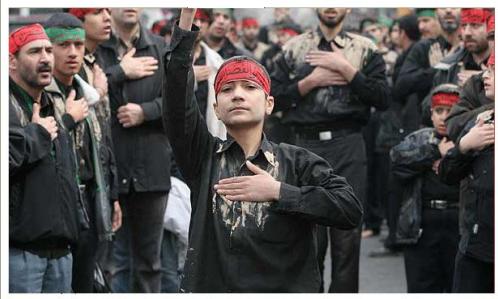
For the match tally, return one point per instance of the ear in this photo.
(270, 103)
(215, 107)
(12, 62)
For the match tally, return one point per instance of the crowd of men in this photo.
(209, 154)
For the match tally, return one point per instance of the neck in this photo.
(406, 44)
(330, 33)
(250, 44)
(64, 79)
(480, 57)
(33, 92)
(215, 43)
(91, 45)
(249, 139)
(452, 38)
(126, 33)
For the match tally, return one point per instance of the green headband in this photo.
(426, 13)
(60, 35)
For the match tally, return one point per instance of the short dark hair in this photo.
(63, 20)
(409, 25)
(367, 22)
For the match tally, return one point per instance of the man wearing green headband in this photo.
(68, 38)
(427, 22)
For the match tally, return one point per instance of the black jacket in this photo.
(142, 152)
(42, 179)
(248, 247)
(477, 228)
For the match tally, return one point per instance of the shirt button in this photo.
(135, 180)
(124, 181)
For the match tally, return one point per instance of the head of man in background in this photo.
(286, 31)
(220, 26)
(250, 30)
(449, 19)
(428, 24)
(96, 23)
(281, 14)
(371, 28)
(473, 30)
(203, 20)
(126, 17)
(332, 17)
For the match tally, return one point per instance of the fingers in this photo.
(255, 169)
(71, 96)
(36, 112)
(131, 52)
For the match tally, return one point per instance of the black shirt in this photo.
(247, 246)
(201, 94)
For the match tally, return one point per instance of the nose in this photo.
(106, 14)
(466, 30)
(46, 55)
(238, 93)
(72, 51)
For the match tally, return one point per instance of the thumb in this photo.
(255, 169)
(335, 48)
(71, 96)
(131, 52)
(480, 122)
(36, 111)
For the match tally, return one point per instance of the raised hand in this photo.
(77, 109)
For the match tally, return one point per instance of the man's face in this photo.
(68, 57)
(474, 37)
(220, 25)
(395, 38)
(449, 18)
(438, 116)
(250, 33)
(203, 26)
(283, 37)
(374, 31)
(126, 16)
(34, 63)
(242, 104)
(97, 25)
(429, 27)
(331, 17)
(489, 83)
(280, 13)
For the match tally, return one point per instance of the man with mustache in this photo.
(429, 229)
(68, 38)
(132, 61)
(326, 81)
(417, 73)
(43, 193)
(255, 204)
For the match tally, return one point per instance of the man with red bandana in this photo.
(255, 204)
(43, 193)
(428, 219)
(472, 159)
(249, 39)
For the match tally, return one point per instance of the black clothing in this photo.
(248, 246)
(449, 67)
(473, 275)
(142, 152)
(201, 93)
(43, 191)
(333, 105)
(229, 50)
(269, 55)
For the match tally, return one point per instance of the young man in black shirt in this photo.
(255, 204)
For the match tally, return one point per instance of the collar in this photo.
(26, 100)
(339, 39)
(265, 148)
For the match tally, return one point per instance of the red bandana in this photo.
(289, 31)
(25, 35)
(242, 68)
(444, 99)
(249, 22)
(490, 26)
(202, 15)
(474, 15)
(81, 12)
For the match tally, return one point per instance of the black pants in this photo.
(473, 275)
(347, 157)
(136, 264)
(429, 264)
(86, 250)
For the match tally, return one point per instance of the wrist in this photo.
(276, 193)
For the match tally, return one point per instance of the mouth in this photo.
(235, 109)
(107, 29)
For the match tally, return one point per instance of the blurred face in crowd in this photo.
(449, 18)
(68, 57)
(395, 35)
(97, 25)
(429, 27)
(33, 64)
(127, 17)
(283, 37)
(438, 116)
(489, 83)
(280, 13)
(250, 33)
(242, 104)
(375, 31)
(331, 17)
(474, 37)
(203, 26)
(220, 26)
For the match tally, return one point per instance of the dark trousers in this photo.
(86, 249)
(430, 263)
(136, 265)
(346, 155)
(473, 275)
(378, 190)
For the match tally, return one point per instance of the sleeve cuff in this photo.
(289, 197)
(68, 121)
(358, 81)
(151, 111)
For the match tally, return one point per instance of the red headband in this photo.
(474, 15)
(242, 69)
(25, 35)
(491, 60)
(490, 26)
(81, 12)
(289, 31)
(249, 22)
(444, 99)
(201, 15)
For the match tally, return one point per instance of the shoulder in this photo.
(298, 154)
(361, 41)
(298, 40)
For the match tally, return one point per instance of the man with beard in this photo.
(249, 40)
(269, 34)
(132, 60)
(417, 73)
(216, 37)
(326, 82)
(43, 193)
